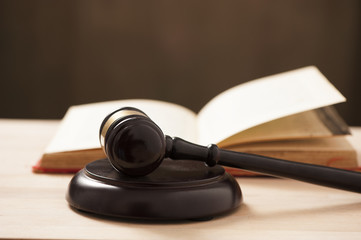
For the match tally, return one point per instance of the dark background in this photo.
(54, 54)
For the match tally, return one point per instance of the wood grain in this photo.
(33, 206)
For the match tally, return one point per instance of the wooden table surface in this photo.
(33, 206)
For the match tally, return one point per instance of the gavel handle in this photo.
(315, 174)
(320, 175)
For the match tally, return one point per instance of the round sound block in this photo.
(176, 190)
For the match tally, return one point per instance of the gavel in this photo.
(136, 146)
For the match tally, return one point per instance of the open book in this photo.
(287, 115)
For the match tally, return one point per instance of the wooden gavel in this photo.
(136, 146)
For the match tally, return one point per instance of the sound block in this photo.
(177, 190)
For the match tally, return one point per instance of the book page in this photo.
(79, 129)
(332, 152)
(259, 101)
(317, 123)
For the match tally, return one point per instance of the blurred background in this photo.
(54, 54)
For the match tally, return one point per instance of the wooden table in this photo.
(33, 206)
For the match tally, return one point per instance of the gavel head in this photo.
(134, 144)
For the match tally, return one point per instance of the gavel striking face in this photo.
(136, 146)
